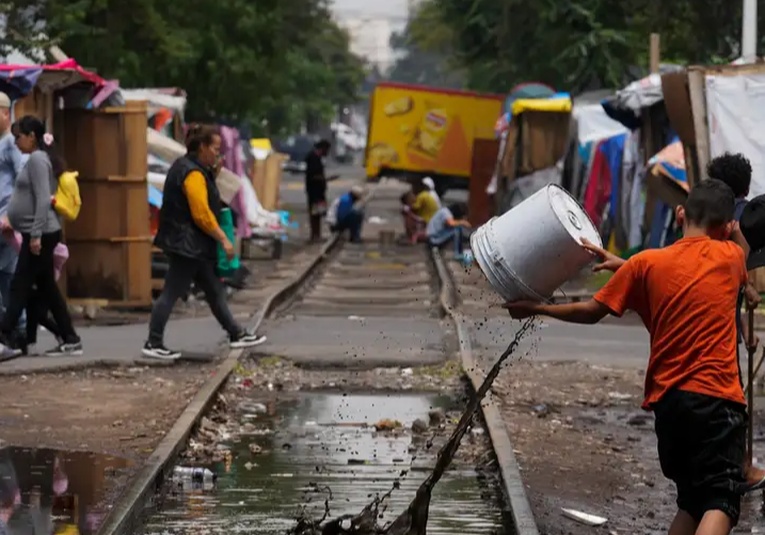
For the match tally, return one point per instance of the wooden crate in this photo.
(106, 142)
(112, 207)
(117, 269)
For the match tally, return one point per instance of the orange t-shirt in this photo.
(686, 296)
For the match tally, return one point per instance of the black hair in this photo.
(458, 210)
(31, 125)
(405, 196)
(198, 135)
(733, 169)
(323, 144)
(710, 204)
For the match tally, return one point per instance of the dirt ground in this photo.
(123, 412)
(583, 443)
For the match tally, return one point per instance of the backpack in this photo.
(67, 201)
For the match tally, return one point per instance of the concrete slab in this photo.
(374, 342)
(603, 344)
(198, 338)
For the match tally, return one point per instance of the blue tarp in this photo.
(155, 196)
(613, 149)
(17, 83)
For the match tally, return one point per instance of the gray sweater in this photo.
(30, 210)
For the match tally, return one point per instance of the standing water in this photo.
(327, 441)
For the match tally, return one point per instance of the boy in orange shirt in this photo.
(685, 294)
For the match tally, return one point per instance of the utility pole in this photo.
(749, 30)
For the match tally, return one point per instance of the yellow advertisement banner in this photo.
(427, 130)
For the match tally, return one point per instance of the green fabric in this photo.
(227, 267)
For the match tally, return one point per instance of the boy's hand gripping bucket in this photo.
(530, 251)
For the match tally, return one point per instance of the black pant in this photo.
(38, 314)
(37, 271)
(181, 272)
(701, 448)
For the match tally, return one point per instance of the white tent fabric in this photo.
(156, 99)
(736, 118)
(164, 147)
(257, 216)
(593, 124)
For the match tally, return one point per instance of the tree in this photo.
(573, 44)
(274, 62)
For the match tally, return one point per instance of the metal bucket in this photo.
(530, 251)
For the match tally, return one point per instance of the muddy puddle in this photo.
(328, 441)
(52, 491)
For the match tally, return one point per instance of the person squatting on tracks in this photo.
(32, 214)
(685, 295)
(348, 214)
(189, 234)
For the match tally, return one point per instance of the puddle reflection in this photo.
(326, 440)
(45, 491)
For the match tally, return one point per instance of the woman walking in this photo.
(189, 234)
(31, 213)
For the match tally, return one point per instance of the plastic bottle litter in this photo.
(194, 474)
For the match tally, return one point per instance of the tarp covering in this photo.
(670, 162)
(157, 99)
(736, 118)
(559, 104)
(593, 124)
(19, 80)
(527, 90)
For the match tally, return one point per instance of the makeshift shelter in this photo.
(531, 149)
(165, 108)
(110, 242)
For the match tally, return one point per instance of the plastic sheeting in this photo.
(593, 124)
(19, 80)
(736, 118)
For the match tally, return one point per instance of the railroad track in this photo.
(400, 307)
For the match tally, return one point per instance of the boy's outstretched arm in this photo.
(585, 312)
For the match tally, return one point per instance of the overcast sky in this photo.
(394, 9)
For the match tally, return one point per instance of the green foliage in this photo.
(572, 45)
(271, 62)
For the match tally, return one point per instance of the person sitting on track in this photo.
(414, 225)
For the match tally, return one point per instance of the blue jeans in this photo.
(8, 260)
(449, 233)
(352, 222)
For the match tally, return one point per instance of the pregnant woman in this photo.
(31, 213)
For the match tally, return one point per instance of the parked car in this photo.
(296, 148)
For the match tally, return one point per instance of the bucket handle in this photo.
(574, 220)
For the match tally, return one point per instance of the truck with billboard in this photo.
(417, 131)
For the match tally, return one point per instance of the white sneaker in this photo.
(246, 339)
(159, 351)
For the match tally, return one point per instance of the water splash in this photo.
(413, 521)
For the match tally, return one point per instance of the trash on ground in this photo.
(584, 518)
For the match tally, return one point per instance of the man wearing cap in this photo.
(349, 215)
(11, 162)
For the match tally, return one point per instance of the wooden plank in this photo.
(732, 70)
(484, 163)
(655, 52)
(697, 91)
(88, 302)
